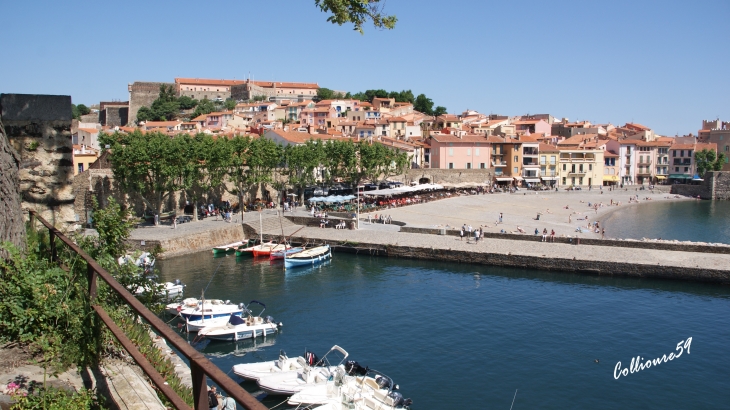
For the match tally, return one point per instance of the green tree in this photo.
(439, 110)
(357, 12)
(78, 110)
(423, 104)
(257, 98)
(327, 94)
(205, 106)
(708, 160)
(187, 103)
(205, 165)
(230, 104)
(147, 165)
(302, 162)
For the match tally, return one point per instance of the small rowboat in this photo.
(231, 247)
(249, 251)
(280, 254)
(308, 257)
(266, 250)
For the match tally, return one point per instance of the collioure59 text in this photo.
(637, 365)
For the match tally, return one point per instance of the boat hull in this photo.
(280, 254)
(230, 248)
(295, 260)
(248, 332)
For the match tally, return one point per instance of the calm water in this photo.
(466, 336)
(699, 221)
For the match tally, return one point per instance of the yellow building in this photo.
(83, 157)
(580, 167)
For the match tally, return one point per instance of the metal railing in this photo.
(200, 366)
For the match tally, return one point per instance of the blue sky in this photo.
(662, 64)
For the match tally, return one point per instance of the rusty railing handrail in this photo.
(200, 366)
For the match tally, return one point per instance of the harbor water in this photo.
(471, 336)
(696, 220)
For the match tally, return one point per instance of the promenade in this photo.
(517, 210)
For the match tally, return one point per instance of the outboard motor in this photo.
(242, 306)
(397, 398)
(382, 382)
(228, 302)
(178, 282)
(407, 402)
(311, 358)
(353, 368)
(269, 319)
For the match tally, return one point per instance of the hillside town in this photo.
(522, 150)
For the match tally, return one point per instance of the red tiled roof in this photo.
(206, 81)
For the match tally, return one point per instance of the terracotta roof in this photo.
(547, 148)
(609, 154)
(637, 126)
(201, 117)
(149, 124)
(205, 81)
(89, 130)
(285, 84)
(469, 138)
(301, 137)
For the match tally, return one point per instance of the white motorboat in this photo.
(145, 260)
(353, 387)
(172, 290)
(196, 325)
(194, 309)
(238, 328)
(290, 382)
(254, 371)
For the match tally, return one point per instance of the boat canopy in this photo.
(236, 320)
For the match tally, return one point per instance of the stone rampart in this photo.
(39, 129)
(715, 185)
(142, 94)
(440, 176)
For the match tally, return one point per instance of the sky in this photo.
(663, 64)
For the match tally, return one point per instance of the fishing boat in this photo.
(231, 247)
(144, 260)
(249, 250)
(354, 388)
(254, 371)
(290, 382)
(239, 328)
(272, 247)
(308, 257)
(194, 309)
(248, 244)
(284, 253)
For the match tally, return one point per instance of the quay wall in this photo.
(716, 185)
(666, 246)
(188, 243)
(617, 268)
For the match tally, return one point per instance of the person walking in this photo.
(603, 233)
(228, 403)
(461, 234)
(500, 217)
(212, 399)
(476, 236)
(544, 235)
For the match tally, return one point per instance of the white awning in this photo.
(518, 178)
(549, 178)
(503, 179)
(531, 180)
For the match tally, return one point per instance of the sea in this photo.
(460, 336)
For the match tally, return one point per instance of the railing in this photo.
(678, 161)
(200, 367)
(644, 162)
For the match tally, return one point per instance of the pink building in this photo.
(462, 151)
(533, 126)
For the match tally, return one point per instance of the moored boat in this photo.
(272, 247)
(290, 382)
(194, 309)
(307, 257)
(231, 247)
(281, 253)
(240, 251)
(249, 250)
(254, 371)
(238, 328)
(172, 290)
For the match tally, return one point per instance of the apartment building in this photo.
(581, 167)
(461, 151)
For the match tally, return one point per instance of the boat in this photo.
(231, 247)
(290, 382)
(306, 257)
(249, 250)
(248, 244)
(144, 260)
(194, 309)
(272, 247)
(238, 328)
(253, 371)
(354, 388)
(280, 254)
(171, 290)
(193, 326)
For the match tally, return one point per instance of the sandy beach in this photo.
(563, 211)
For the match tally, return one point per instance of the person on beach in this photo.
(520, 230)
(212, 399)
(461, 234)
(476, 236)
(570, 219)
(552, 235)
(500, 217)
(544, 235)
(603, 233)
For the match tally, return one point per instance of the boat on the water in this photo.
(248, 244)
(231, 247)
(280, 254)
(308, 257)
(254, 371)
(144, 260)
(272, 247)
(239, 328)
(248, 251)
(290, 382)
(354, 388)
(171, 290)
(195, 309)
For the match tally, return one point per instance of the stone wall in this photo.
(39, 129)
(13, 227)
(716, 185)
(440, 176)
(142, 94)
(114, 116)
(190, 243)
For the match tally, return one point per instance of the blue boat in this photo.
(308, 257)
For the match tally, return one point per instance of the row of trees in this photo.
(709, 160)
(156, 166)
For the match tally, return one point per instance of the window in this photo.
(515, 170)
(476, 152)
(565, 180)
(451, 152)
(676, 169)
(686, 169)
(727, 148)
(580, 167)
(590, 167)
(468, 151)
(681, 153)
(542, 160)
(580, 181)
(482, 165)
(565, 167)
(468, 165)
(81, 168)
(451, 165)
(516, 158)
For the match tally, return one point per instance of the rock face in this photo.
(38, 127)
(12, 228)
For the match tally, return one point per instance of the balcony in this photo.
(682, 161)
(645, 161)
(530, 152)
(576, 173)
(499, 163)
(530, 163)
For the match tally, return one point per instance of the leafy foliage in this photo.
(51, 398)
(205, 106)
(327, 94)
(78, 110)
(166, 107)
(708, 160)
(357, 12)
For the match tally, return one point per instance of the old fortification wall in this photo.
(13, 227)
(114, 116)
(440, 176)
(142, 94)
(716, 185)
(39, 129)
(194, 242)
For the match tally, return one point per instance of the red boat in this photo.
(266, 249)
